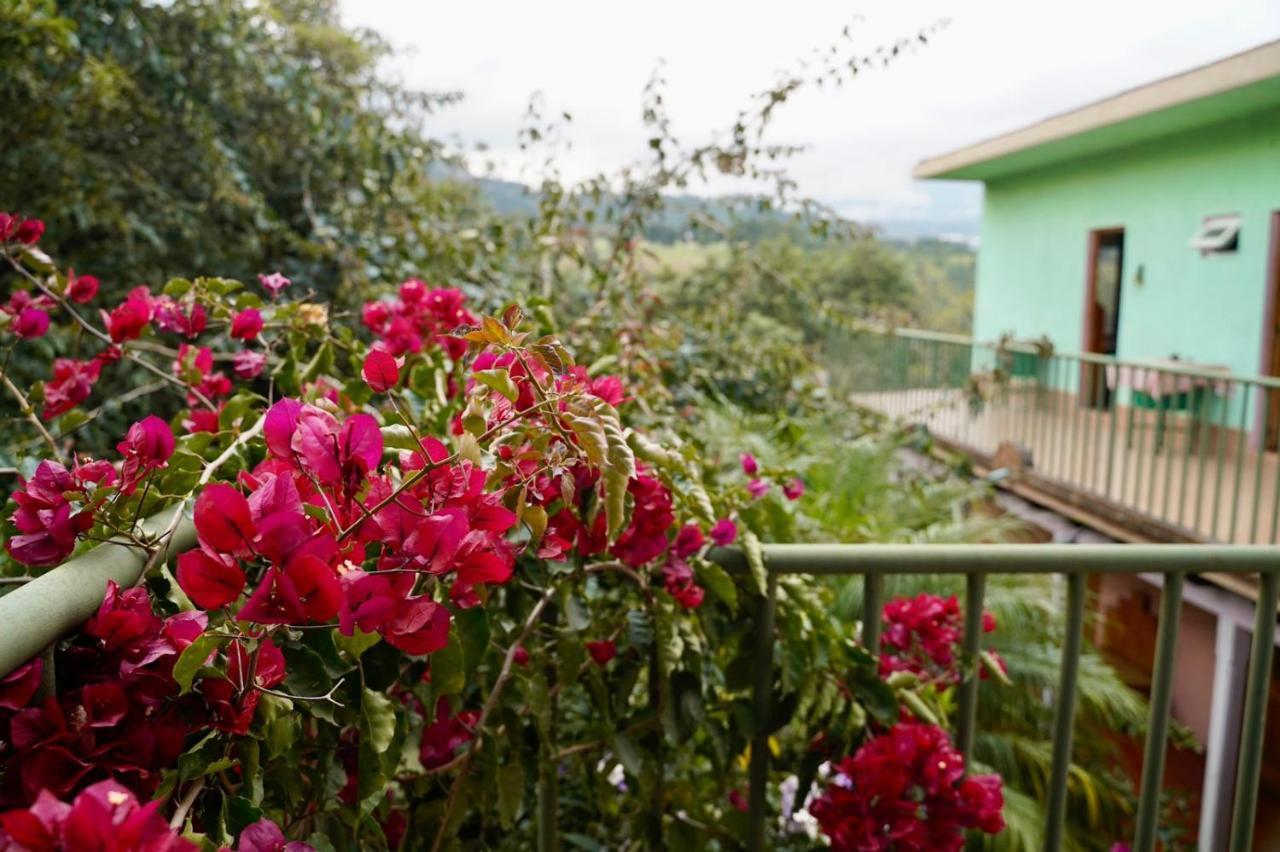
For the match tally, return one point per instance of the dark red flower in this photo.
(441, 739)
(223, 521)
(147, 446)
(602, 652)
(129, 319)
(906, 789)
(17, 689)
(247, 324)
(71, 384)
(381, 373)
(210, 581)
(794, 489)
(688, 541)
(81, 288)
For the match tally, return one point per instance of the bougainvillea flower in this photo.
(17, 689)
(274, 283)
(129, 319)
(105, 817)
(247, 324)
(381, 372)
(47, 522)
(441, 739)
(306, 590)
(71, 384)
(757, 488)
(794, 489)
(210, 581)
(652, 516)
(677, 579)
(81, 288)
(749, 464)
(265, 836)
(602, 652)
(724, 532)
(268, 668)
(420, 626)
(247, 364)
(223, 521)
(906, 789)
(172, 316)
(278, 426)
(30, 324)
(147, 446)
(688, 541)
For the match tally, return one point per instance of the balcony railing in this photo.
(1074, 563)
(38, 613)
(1178, 452)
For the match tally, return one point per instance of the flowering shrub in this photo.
(430, 581)
(906, 790)
(922, 635)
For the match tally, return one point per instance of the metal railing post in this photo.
(1158, 720)
(762, 693)
(1064, 714)
(1253, 723)
(975, 588)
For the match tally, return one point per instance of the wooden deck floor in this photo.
(1203, 478)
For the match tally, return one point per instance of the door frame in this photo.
(1271, 314)
(1091, 333)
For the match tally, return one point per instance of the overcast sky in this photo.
(998, 65)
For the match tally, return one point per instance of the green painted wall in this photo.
(1031, 264)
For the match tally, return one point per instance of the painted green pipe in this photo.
(967, 718)
(762, 694)
(1253, 723)
(872, 604)
(1064, 714)
(1158, 716)
(40, 612)
(827, 559)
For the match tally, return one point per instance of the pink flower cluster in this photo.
(922, 635)
(419, 317)
(104, 818)
(905, 790)
(47, 519)
(113, 717)
(444, 524)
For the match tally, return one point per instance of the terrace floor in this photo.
(1202, 478)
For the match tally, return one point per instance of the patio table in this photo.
(1153, 386)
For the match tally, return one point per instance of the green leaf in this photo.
(500, 381)
(473, 631)
(378, 720)
(755, 560)
(719, 582)
(357, 643)
(510, 790)
(639, 629)
(192, 659)
(628, 754)
(448, 675)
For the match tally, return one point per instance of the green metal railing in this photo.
(1074, 563)
(38, 613)
(1186, 447)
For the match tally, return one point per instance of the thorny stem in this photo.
(30, 413)
(105, 338)
(429, 465)
(184, 806)
(503, 674)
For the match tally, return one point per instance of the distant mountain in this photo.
(518, 199)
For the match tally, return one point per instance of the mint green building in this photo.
(1145, 225)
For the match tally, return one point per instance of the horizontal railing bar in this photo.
(1024, 347)
(52, 605)
(1011, 558)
